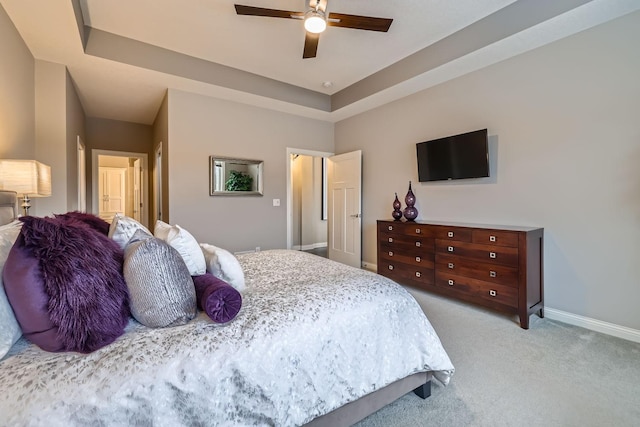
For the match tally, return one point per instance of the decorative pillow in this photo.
(186, 245)
(217, 298)
(222, 264)
(122, 229)
(9, 329)
(91, 220)
(64, 282)
(160, 287)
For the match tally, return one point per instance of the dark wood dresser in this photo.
(495, 266)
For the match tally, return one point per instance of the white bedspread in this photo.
(312, 335)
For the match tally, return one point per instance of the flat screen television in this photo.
(454, 157)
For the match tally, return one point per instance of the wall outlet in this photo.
(276, 202)
(257, 248)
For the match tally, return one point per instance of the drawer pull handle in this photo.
(450, 234)
(492, 238)
(492, 255)
(450, 248)
(450, 282)
(450, 265)
(418, 231)
(493, 293)
(417, 274)
(391, 267)
(391, 228)
(418, 259)
(390, 239)
(390, 253)
(492, 274)
(418, 244)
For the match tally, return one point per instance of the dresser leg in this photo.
(524, 321)
(424, 390)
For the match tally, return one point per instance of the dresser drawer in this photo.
(405, 228)
(405, 273)
(487, 253)
(406, 244)
(396, 227)
(401, 256)
(482, 290)
(493, 273)
(460, 234)
(495, 237)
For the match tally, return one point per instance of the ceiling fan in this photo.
(316, 21)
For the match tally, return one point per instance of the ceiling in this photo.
(124, 54)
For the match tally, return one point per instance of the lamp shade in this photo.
(28, 177)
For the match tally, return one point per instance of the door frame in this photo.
(302, 152)
(82, 174)
(95, 164)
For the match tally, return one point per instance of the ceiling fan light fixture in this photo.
(314, 21)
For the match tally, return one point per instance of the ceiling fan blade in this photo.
(310, 45)
(359, 22)
(272, 13)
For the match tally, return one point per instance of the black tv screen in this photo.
(454, 157)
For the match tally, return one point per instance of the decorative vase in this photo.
(397, 213)
(410, 212)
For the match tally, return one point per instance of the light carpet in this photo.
(553, 374)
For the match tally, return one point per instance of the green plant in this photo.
(239, 181)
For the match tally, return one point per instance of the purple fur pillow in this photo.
(64, 282)
(91, 220)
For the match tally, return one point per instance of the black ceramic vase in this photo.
(410, 212)
(397, 212)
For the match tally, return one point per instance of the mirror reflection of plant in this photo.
(239, 181)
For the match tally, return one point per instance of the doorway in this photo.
(306, 223)
(340, 205)
(120, 185)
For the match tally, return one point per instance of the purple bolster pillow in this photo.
(217, 298)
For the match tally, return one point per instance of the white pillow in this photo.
(9, 328)
(122, 228)
(186, 245)
(222, 264)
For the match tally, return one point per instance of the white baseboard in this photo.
(570, 318)
(309, 247)
(593, 324)
(370, 266)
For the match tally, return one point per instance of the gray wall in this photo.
(200, 126)
(59, 120)
(75, 127)
(51, 134)
(565, 133)
(17, 94)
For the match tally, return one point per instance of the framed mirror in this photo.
(235, 177)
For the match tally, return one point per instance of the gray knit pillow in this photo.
(161, 291)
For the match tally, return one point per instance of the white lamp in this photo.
(314, 21)
(25, 177)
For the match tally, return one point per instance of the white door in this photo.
(112, 194)
(137, 190)
(344, 173)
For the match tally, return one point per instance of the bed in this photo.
(315, 342)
